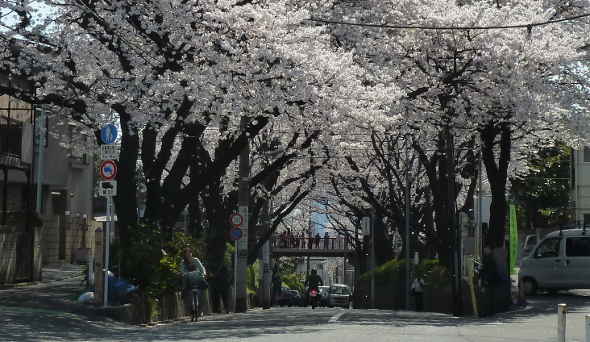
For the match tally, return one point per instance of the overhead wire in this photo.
(428, 27)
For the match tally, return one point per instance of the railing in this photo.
(10, 140)
(320, 243)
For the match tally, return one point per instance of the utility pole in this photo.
(407, 243)
(40, 139)
(372, 258)
(456, 253)
(243, 203)
(266, 271)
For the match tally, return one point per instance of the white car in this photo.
(561, 261)
(339, 295)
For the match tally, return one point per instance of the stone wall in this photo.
(7, 254)
(9, 236)
(76, 241)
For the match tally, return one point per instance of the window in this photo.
(341, 290)
(548, 248)
(577, 246)
(586, 154)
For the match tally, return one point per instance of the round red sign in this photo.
(236, 219)
(108, 170)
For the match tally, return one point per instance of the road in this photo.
(535, 323)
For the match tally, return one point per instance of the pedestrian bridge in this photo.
(302, 246)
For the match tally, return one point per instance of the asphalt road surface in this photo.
(537, 322)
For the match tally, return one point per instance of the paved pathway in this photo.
(34, 314)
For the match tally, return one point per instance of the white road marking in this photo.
(337, 316)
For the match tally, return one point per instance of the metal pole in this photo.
(266, 275)
(478, 235)
(407, 243)
(372, 259)
(5, 196)
(266, 269)
(40, 149)
(235, 273)
(243, 203)
(587, 321)
(107, 245)
(561, 319)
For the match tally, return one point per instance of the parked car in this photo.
(339, 295)
(530, 241)
(324, 291)
(290, 297)
(561, 261)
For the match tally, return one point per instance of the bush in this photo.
(294, 281)
(393, 272)
(152, 263)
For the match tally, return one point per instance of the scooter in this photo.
(314, 298)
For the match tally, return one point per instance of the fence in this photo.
(297, 242)
(68, 239)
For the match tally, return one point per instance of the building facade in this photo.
(46, 170)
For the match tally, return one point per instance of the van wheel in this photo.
(530, 286)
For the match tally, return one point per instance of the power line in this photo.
(425, 27)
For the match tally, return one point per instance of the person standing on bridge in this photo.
(326, 240)
(317, 240)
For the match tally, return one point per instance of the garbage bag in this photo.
(86, 297)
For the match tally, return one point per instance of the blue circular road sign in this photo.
(108, 134)
(235, 234)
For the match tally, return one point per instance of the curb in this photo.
(521, 309)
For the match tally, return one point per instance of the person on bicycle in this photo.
(313, 282)
(193, 279)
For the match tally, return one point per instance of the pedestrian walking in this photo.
(317, 240)
(326, 240)
(193, 279)
(417, 291)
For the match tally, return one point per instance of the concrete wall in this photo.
(78, 242)
(8, 256)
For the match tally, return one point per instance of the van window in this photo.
(577, 246)
(548, 248)
(342, 290)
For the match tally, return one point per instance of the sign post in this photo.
(243, 202)
(108, 188)
(235, 234)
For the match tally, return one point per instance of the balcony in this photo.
(11, 147)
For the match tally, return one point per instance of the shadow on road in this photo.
(541, 305)
(24, 324)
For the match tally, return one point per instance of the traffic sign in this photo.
(108, 170)
(108, 134)
(235, 234)
(108, 188)
(236, 219)
(109, 152)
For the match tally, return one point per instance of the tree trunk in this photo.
(126, 199)
(497, 176)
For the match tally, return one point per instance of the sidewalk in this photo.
(59, 290)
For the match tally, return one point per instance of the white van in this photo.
(560, 261)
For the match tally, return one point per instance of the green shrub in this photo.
(151, 262)
(393, 271)
(294, 281)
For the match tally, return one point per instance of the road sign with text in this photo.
(109, 152)
(108, 188)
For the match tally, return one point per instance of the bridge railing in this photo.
(322, 243)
